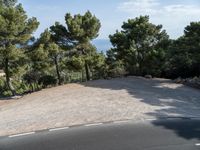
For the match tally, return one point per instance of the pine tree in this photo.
(15, 30)
(83, 29)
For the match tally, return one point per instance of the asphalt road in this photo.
(171, 134)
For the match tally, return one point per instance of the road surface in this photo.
(171, 134)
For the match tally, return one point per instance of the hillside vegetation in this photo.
(64, 52)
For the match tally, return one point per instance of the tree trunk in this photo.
(57, 71)
(87, 71)
(82, 75)
(32, 88)
(8, 82)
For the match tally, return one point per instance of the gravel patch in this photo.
(98, 101)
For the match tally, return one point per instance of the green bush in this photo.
(47, 80)
(116, 72)
(20, 87)
(116, 69)
(2, 85)
(31, 77)
(6, 93)
(3, 88)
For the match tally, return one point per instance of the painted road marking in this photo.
(122, 121)
(94, 124)
(57, 129)
(197, 144)
(23, 134)
(153, 119)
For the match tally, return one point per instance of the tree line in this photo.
(140, 48)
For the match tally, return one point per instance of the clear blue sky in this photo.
(173, 14)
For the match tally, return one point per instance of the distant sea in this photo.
(102, 44)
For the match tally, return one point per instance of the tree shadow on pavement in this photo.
(188, 129)
(173, 99)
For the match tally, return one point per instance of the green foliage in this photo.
(61, 36)
(8, 3)
(2, 85)
(184, 53)
(65, 54)
(16, 29)
(98, 66)
(6, 93)
(144, 48)
(21, 87)
(116, 69)
(76, 63)
(47, 80)
(31, 77)
(139, 46)
(46, 54)
(83, 28)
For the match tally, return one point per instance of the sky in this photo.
(174, 15)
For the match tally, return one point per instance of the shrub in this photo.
(31, 77)
(47, 80)
(3, 87)
(116, 72)
(116, 69)
(20, 87)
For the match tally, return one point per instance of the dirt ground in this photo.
(98, 101)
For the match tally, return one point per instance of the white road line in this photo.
(197, 144)
(125, 121)
(151, 119)
(94, 124)
(57, 129)
(23, 134)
